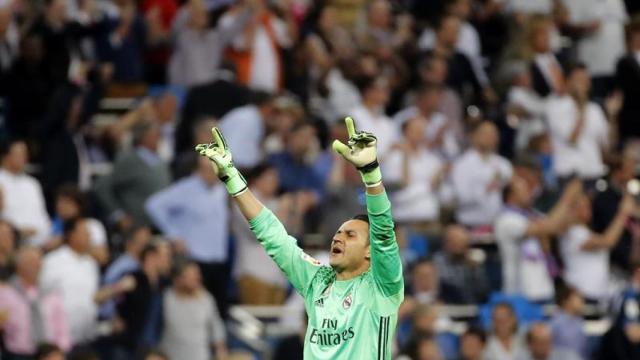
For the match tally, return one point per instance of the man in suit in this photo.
(546, 72)
(137, 173)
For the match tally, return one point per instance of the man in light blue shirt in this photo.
(244, 128)
(194, 214)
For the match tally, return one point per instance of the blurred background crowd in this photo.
(508, 135)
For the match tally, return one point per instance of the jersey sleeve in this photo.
(386, 265)
(297, 266)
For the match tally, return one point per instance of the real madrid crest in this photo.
(346, 303)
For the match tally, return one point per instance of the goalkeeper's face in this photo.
(350, 247)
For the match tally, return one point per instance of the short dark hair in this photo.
(575, 66)
(361, 217)
(155, 352)
(6, 145)
(477, 332)
(260, 97)
(71, 191)
(564, 293)
(257, 171)
(150, 249)
(180, 266)
(45, 350)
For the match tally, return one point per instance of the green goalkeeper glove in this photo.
(361, 152)
(218, 152)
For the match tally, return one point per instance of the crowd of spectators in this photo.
(507, 134)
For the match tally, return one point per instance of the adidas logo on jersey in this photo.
(319, 303)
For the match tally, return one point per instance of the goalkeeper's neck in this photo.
(348, 274)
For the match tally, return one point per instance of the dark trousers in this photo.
(215, 277)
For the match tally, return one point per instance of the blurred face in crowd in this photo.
(190, 279)
(520, 194)
(326, 21)
(378, 93)
(350, 247)
(457, 241)
(199, 16)
(428, 350)
(414, 131)
(56, 355)
(5, 18)
(368, 65)
(267, 183)
(540, 341)
(626, 172)
(428, 100)
(471, 346)
(634, 40)
(574, 304)
(79, 238)
(424, 318)
(57, 10)
(66, 207)
(380, 14)
(583, 209)
(447, 35)
(461, 8)
(540, 37)
(166, 107)
(579, 83)
(139, 239)
(16, 159)
(163, 259)
(435, 70)
(301, 140)
(7, 238)
(151, 138)
(504, 321)
(486, 138)
(424, 277)
(28, 264)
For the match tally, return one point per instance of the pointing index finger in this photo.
(351, 128)
(218, 138)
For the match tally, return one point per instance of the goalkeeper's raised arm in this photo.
(352, 304)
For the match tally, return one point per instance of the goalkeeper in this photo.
(352, 305)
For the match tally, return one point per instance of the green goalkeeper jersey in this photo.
(350, 319)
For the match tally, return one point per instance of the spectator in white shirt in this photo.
(599, 25)
(419, 174)
(478, 177)
(525, 106)
(24, 204)
(245, 127)
(370, 115)
(72, 272)
(522, 237)
(579, 129)
(438, 130)
(586, 253)
(504, 341)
